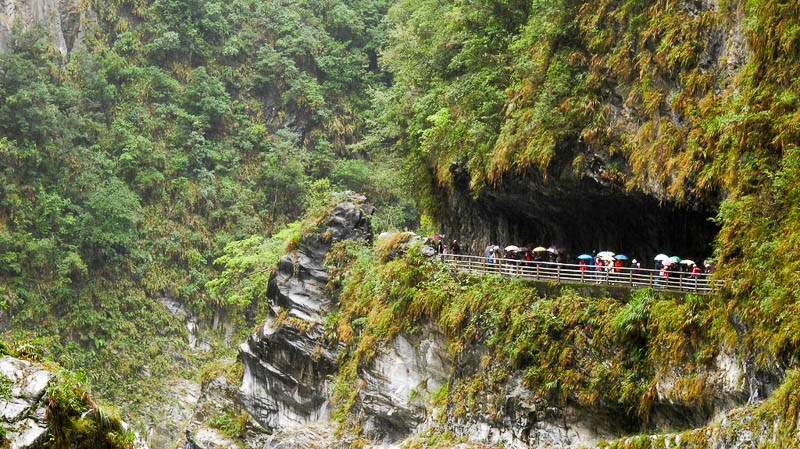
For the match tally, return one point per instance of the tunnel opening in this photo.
(580, 215)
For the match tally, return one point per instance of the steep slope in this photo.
(139, 139)
(45, 406)
(578, 121)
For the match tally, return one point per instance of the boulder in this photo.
(23, 412)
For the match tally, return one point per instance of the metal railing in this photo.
(675, 281)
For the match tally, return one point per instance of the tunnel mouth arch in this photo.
(580, 215)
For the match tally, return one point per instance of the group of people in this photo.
(604, 261)
(442, 247)
(538, 254)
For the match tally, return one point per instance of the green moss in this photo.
(767, 425)
(76, 420)
(593, 352)
(229, 423)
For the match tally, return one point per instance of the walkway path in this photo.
(583, 274)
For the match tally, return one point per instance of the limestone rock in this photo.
(399, 383)
(286, 362)
(175, 410)
(23, 413)
(64, 20)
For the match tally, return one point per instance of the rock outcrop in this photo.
(530, 210)
(64, 21)
(24, 410)
(30, 418)
(400, 382)
(287, 364)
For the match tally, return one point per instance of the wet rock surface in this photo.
(399, 383)
(178, 399)
(287, 365)
(64, 20)
(23, 411)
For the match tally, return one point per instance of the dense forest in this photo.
(172, 153)
(176, 129)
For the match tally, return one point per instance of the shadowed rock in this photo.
(286, 362)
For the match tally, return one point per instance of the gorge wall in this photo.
(65, 20)
(293, 369)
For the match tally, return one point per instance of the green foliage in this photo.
(76, 420)
(772, 422)
(654, 93)
(590, 352)
(229, 423)
(177, 135)
(246, 268)
(6, 384)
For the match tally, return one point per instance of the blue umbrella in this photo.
(621, 257)
(585, 257)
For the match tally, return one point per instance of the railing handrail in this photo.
(589, 274)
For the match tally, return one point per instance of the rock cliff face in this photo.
(287, 363)
(398, 385)
(29, 417)
(582, 203)
(63, 19)
(288, 367)
(24, 411)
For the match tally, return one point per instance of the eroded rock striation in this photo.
(64, 20)
(287, 365)
(24, 411)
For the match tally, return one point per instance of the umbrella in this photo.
(585, 257)
(523, 249)
(606, 258)
(552, 249)
(667, 262)
(512, 248)
(602, 254)
(495, 247)
(661, 257)
(687, 262)
(539, 249)
(675, 259)
(436, 237)
(621, 257)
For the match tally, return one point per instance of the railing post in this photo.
(558, 273)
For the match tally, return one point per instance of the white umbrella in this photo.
(512, 248)
(688, 262)
(661, 257)
(603, 254)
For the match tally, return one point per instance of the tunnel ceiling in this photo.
(579, 214)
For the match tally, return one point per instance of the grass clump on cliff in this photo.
(685, 101)
(76, 420)
(770, 424)
(597, 353)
